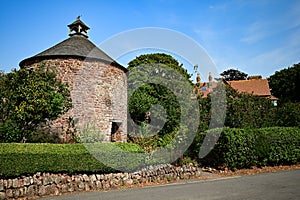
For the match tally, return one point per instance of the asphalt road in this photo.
(279, 185)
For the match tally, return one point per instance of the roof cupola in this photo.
(78, 28)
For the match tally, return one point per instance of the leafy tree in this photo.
(159, 58)
(287, 115)
(154, 80)
(242, 111)
(204, 120)
(285, 84)
(29, 98)
(247, 111)
(234, 74)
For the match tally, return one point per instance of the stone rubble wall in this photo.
(44, 184)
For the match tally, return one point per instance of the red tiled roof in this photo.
(273, 98)
(204, 88)
(203, 92)
(259, 87)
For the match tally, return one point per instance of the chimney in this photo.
(256, 77)
(210, 78)
(198, 79)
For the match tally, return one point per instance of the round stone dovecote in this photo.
(97, 83)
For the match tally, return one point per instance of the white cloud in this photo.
(255, 32)
(280, 57)
(259, 44)
(287, 19)
(295, 15)
(206, 34)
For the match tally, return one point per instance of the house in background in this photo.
(255, 85)
(204, 88)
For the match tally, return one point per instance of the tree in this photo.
(287, 115)
(154, 80)
(234, 74)
(285, 84)
(247, 110)
(159, 58)
(29, 98)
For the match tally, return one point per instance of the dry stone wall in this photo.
(99, 96)
(43, 184)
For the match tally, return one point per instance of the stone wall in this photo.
(99, 96)
(43, 184)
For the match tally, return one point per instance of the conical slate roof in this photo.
(76, 46)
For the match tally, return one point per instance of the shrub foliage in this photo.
(21, 159)
(285, 84)
(244, 148)
(29, 98)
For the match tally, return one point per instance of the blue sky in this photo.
(256, 37)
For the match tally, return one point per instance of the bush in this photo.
(245, 110)
(288, 114)
(43, 136)
(244, 148)
(9, 132)
(28, 99)
(276, 146)
(89, 133)
(151, 143)
(18, 159)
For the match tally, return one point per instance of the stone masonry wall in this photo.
(99, 95)
(43, 184)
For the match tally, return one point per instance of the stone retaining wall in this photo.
(43, 184)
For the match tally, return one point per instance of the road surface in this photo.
(279, 185)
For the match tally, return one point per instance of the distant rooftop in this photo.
(259, 87)
(255, 85)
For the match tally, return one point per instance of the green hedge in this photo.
(21, 159)
(244, 148)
